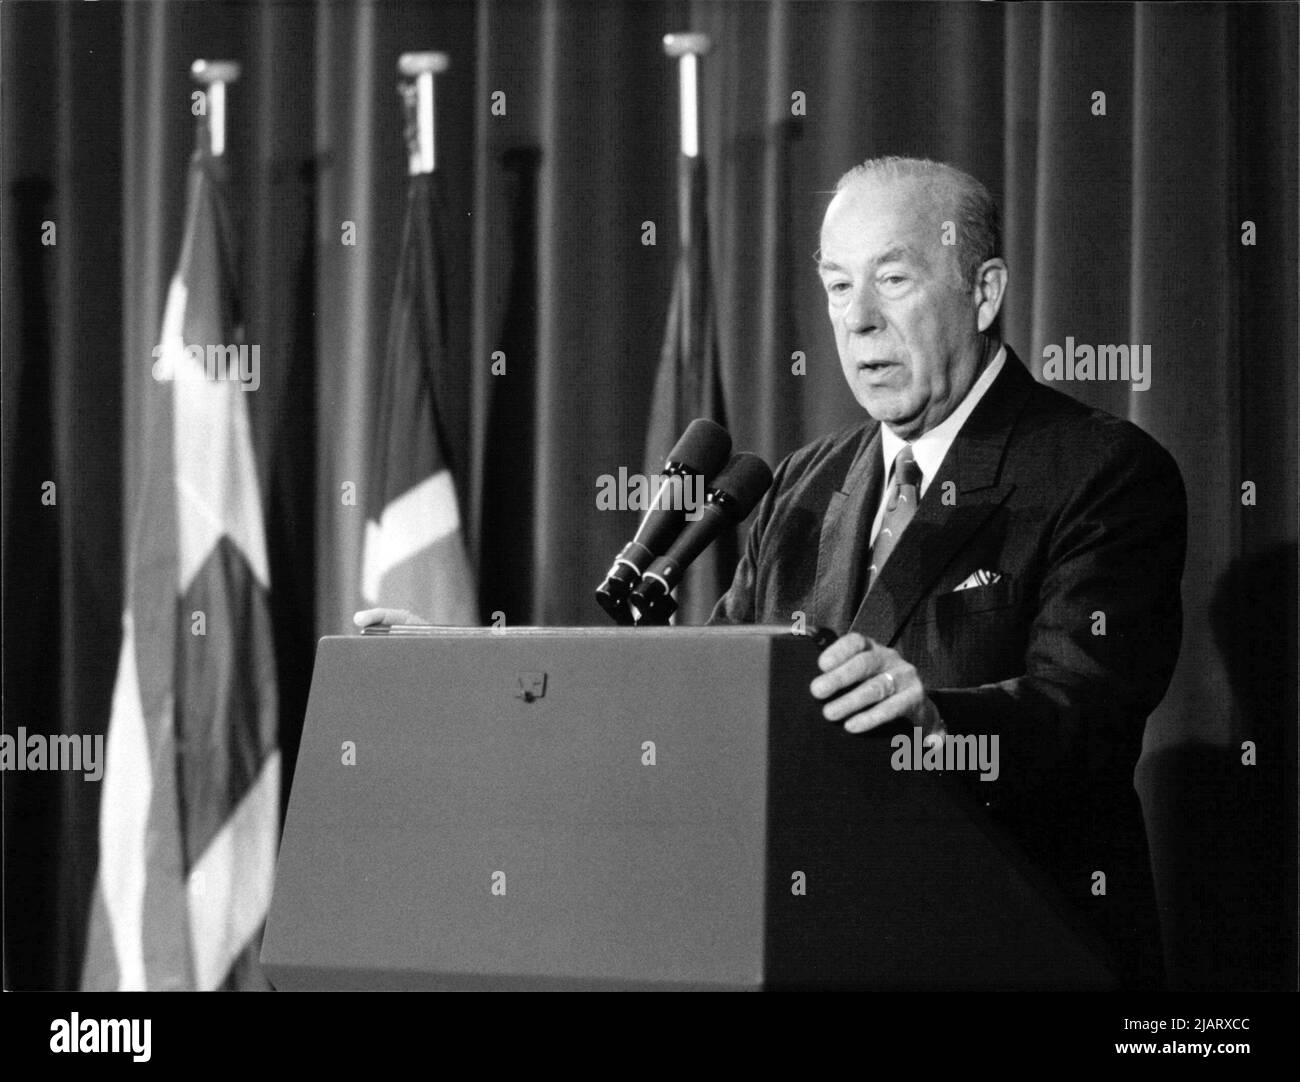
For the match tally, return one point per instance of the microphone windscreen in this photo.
(703, 447)
(746, 479)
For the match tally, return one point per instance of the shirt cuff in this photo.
(937, 731)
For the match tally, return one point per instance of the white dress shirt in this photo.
(931, 447)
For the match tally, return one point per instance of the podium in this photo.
(633, 809)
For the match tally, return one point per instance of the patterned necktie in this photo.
(904, 495)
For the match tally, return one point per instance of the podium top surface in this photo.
(771, 631)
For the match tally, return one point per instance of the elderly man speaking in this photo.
(998, 558)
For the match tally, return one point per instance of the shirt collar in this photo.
(930, 448)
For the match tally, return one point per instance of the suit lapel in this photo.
(842, 549)
(939, 530)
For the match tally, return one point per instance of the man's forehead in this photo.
(829, 258)
(881, 220)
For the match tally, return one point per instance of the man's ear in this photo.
(990, 288)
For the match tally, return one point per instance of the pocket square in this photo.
(978, 578)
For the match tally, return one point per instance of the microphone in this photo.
(701, 450)
(735, 493)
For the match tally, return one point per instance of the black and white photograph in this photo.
(788, 496)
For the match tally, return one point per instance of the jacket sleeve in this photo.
(740, 604)
(1115, 554)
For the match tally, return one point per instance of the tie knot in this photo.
(906, 471)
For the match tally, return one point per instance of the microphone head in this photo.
(745, 480)
(702, 448)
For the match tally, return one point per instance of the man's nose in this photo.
(862, 316)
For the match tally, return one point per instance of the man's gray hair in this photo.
(975, 216)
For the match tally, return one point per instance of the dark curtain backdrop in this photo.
(1119, 228)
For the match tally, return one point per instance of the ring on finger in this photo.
(893, 687)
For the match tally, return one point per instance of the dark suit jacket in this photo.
(1084, 516)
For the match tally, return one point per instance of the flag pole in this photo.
(686, 49)
(687, 385)
(421, 69)
(214, 75)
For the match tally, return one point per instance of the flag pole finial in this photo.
(686, 49)
(213, 76)
(417, 71)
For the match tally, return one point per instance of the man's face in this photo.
(905, 324)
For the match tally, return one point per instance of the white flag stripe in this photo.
(124, 817)
(418, 517)
(229, 888)
(212, 451)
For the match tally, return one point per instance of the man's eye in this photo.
(838, 287)
(894, 279)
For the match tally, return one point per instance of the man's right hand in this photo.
(386, 618)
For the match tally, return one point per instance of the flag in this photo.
(189, 814)
(414, 553)
(689, 380)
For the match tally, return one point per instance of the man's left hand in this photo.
(869, 684)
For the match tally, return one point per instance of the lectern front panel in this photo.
(527, 810)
